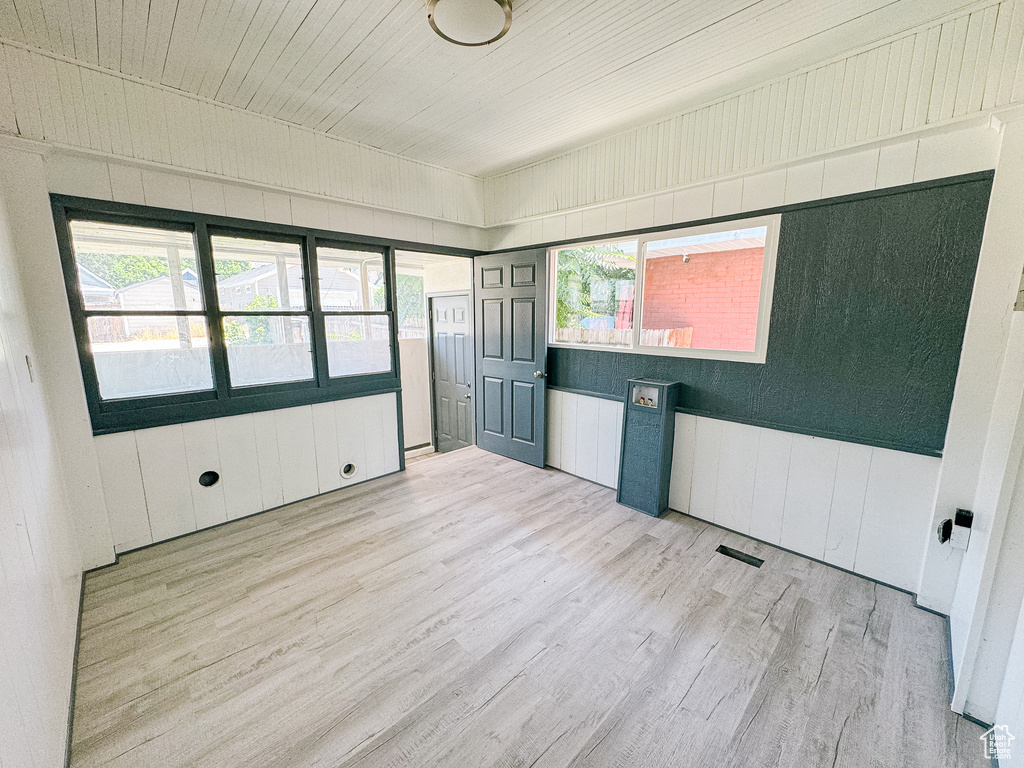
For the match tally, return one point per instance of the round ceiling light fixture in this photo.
(470, 22)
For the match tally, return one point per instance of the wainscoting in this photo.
(584, 435)
(150, 476)
(864, 509)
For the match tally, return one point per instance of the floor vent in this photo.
(743, 557)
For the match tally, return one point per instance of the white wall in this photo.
(40, 558)
(1000, 618)
(150, 476)
(42, 285)
(584, 436)
(141, 183)
(973, 420)
(69, 173)
(860, 508)
(991, 584)
(929, 154)
(416, 410)
(974, 464)
(453, 275)
(1010, 710)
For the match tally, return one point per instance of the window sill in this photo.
(107, 421)
(757, 356)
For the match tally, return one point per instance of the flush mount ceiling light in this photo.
(470, 22)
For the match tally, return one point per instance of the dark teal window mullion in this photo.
(391, 279)
(215, 327)
(317, 326)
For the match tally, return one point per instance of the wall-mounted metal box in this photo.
(648, 427)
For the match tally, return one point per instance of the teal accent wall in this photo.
(870, 306)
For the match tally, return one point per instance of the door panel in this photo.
(492, 328)
(494, 406)
(524, 397)
(463, 355)
(451, 342)
(464, 419)
(492, 277)
(524, 275)
(524, 317)
(511, 353)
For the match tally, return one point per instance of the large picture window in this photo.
(696, 292)
(183, 316)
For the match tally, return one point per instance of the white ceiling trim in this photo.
(963, 66)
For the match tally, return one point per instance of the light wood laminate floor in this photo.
(475, 611)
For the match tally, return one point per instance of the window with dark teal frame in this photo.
(182, 316)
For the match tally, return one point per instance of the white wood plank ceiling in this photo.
(372, 71)
(956, 68)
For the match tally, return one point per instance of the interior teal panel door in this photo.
(511, 352)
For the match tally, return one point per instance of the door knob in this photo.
(466, 396)
(539, 374)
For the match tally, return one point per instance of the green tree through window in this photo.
(252, 330)
(586, 280)
(409, 290)
(121, 270)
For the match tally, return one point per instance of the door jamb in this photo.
(429, 297)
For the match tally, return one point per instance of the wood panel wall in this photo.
(41, 541)
(150, 476)
(51, 99)
(584, 436)
(69, 173)
(921, 157)
(934, 75)
(864, 509)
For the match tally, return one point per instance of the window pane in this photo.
(267, 349)
(258, 275)
(703, 291)
(594, 294)
(350, 280)
(358, 344)
(122, 267)
(411, 307)
(150, 355)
